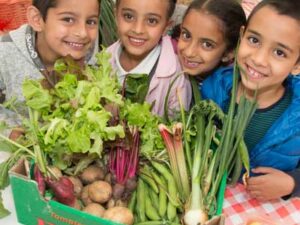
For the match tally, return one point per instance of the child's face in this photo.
(269, 51)
(70, 28)
(201, 44)
(141, 24)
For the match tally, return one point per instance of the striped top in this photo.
(263, 119)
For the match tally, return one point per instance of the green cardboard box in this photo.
(33, 209)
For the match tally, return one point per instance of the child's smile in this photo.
(255, 74)
(136, 41)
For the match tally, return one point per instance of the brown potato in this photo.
(85, 195)
(94, 209)
(119, 214)
(91, 174)
(100, 191)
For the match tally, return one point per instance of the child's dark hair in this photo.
(283, 7)
(229, 12)
(44, 5)
(172, 5)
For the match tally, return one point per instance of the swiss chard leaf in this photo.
(137, 86)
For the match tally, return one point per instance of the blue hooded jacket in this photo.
(280, 147)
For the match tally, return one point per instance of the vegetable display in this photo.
(95, 145)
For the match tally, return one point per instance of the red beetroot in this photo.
(39, 178)
(63, 190)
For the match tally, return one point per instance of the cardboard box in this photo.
(33, 209)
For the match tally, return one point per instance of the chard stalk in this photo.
(186, 148)
(180, 158)
(176, 156)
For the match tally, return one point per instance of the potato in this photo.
(119, 214)
(85, 195)
(94, 209)
(91, 174)
(100, 191)
(77, 185)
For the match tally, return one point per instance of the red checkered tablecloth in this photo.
(239, 207)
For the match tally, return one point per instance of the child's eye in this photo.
(152, 21)
(253, 40)
(279, 53)
(68, 19)
(207, 45)
(128, 16)
(92, 22)
(185, 35)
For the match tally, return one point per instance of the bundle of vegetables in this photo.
(77, 116)
(141, 134)
(67, 124)
(156, 199)
(215, 142)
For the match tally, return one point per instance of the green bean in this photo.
(172, 191)
(150, 211)
(150, 181)
(171, 211)
(154, 198)
(140, 205)
(132, 201)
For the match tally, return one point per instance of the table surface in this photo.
(238, 207)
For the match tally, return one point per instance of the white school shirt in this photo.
(144, 67)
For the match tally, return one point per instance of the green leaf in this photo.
(137, 114)
(79, 141)
(97, 146)
(112, 132)
(4, 179)
(7, 147)
(92, 100)
(36, 96)
(66, 88)
(137, 86)
(3, 212)
(98, 119)
(58, 129)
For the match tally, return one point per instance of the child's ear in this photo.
(228, 57)
(34, 18)
(296, 69)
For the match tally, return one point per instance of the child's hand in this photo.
(272, 184)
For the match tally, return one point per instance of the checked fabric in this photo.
(239, 208)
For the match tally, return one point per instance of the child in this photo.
(209, 35)
(143, 49)
(269, 59)
(55, 28)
